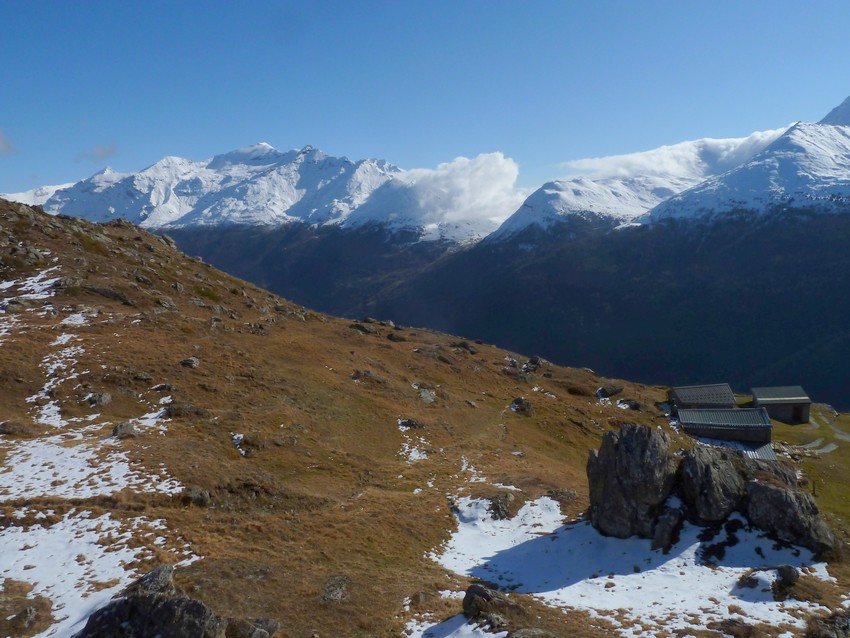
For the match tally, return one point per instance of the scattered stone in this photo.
(481, 600)
(444, 358)
(366, 375)
(99, 398)
(629, 404)
(110, 293)
(152, 606)
(394, 336)
(464, 345)
(190, 362)
(195, 495)
(125, 430)
(16, 428)
(563, 495)
(522, 406)
(516, 373)
(363, 328)
(836, 626)
(667, 528)
(786, 577)
(609, 390)
(410, 424)
(471, 404)
(500, 507)
(336, 589)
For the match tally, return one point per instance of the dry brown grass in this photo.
(322, 491)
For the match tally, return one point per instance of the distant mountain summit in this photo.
(807, 167)
(622, 188)
(260, 186)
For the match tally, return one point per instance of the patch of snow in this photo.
(70, 563)
(455, 627)
(573, 566)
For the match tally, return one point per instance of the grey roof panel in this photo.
(781, 394)
(719, 393)
(731, 418)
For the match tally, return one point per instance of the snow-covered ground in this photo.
(639, 590)
(78, 561)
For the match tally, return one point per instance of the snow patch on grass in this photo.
(573, 566)
(72, 564)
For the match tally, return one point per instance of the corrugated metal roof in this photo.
(763, 452)
(781, 394)
(718, 393)
(731, 418)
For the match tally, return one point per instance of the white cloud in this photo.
(481, 188)
(698, 158)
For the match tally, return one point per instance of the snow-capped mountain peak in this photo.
(259, 185)
(806, 167)
(625, 187)
(839, 116)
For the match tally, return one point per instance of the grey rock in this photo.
(464, 345)
(667, 528)
(190, 362)
(152, 606)
(362, 328)
(786, 576)
(394, 336)
(500, 506)
(195, 495)
(411, 424)
(836, 626)
(99, 398)
(711, 483)
(480, 600)
(522, 406)
(125, 430)
(789, 514)
(336, 589)
(630, 476)
(609, 390)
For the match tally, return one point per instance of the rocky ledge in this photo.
(639, 486)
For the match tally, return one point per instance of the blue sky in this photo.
(87, 84)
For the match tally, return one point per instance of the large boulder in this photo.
(789, 514)
(711, 483)
(630, 477)
(152, 606)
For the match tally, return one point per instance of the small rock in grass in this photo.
(125, 430)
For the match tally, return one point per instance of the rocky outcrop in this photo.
(789, 514)
(836, 626)
(630, 478)
(152, 606)
(634, 473)
(711, 483)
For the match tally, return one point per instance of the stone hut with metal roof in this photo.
(717, 395)
(789, 404)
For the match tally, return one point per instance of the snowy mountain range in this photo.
(468, 199)
(259, 185)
